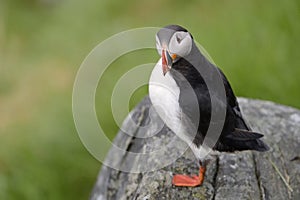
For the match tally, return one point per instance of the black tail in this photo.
(246, 140)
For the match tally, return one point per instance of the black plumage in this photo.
(236, 134)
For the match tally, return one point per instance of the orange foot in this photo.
(189, 181)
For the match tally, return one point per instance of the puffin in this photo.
(183, 99)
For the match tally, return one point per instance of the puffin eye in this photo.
(178, 39)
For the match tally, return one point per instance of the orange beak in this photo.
(167, 61)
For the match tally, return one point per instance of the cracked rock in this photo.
(242, 175)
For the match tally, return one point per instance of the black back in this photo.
(236, 134)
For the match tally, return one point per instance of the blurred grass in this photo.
(43, 42)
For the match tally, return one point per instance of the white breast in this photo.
(164, 95)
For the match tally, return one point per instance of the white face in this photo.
(179, 44)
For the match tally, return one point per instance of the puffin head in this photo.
(172, 43)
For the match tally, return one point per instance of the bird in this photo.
(185, 101)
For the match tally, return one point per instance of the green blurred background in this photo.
(43, 42)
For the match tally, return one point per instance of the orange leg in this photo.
(189, 181)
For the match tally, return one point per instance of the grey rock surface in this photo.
(241, 175)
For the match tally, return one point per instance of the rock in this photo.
(242, 175)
